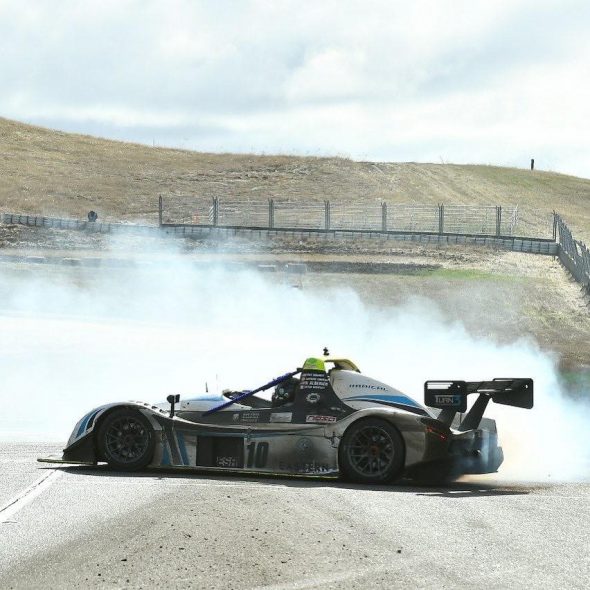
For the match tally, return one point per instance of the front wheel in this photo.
(371, 451)
(126, 440)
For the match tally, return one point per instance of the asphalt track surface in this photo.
(75, 527)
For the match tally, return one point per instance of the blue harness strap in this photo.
(248, 393)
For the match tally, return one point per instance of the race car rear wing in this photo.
(451, 397)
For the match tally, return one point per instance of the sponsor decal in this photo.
(281, 417)
(236, 417)
(367, 386)
(447, 400)
(320, 419)
(313, 398)
(226, 462)
(303, 444)
(314, 382)
(307, 467)
(250, 416)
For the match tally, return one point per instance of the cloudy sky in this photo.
(492, 82)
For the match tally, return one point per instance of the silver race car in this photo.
(324, 419)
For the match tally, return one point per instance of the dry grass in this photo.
(53, 173)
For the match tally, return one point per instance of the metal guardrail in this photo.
(530, 245)
(514, 243)
(76, 224)
(574, 255)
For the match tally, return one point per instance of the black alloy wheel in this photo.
(126, 440)
(371, 451)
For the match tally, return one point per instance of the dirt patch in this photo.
(498, 295)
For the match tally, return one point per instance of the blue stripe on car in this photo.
(182, 447)
(165, 454)
(403, 406)
(85, 422)
(397, 399)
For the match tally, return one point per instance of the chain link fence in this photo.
(342, 215)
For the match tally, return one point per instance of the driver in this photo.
(284, 392)
(230, 394)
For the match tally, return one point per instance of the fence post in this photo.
(554, 226)
(383, 216)
(441, 219)
(271, 213)
(160, 210)
(586, 256)
(215, 211)
(327, 215)
(498, 220)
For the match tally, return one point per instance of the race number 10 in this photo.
(257, 454)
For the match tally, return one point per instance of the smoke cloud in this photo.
(74, 338)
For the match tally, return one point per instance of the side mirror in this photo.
(173, 400)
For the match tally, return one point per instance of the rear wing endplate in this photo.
(451, 397)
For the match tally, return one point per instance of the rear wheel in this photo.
(126, 440)
(371, 451)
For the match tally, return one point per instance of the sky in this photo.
(490, 82)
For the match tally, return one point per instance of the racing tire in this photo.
(126, 440)
(371, 451)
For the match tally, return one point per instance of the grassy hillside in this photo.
(54, 173)
(495, 294)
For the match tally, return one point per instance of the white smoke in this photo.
(72, 339)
